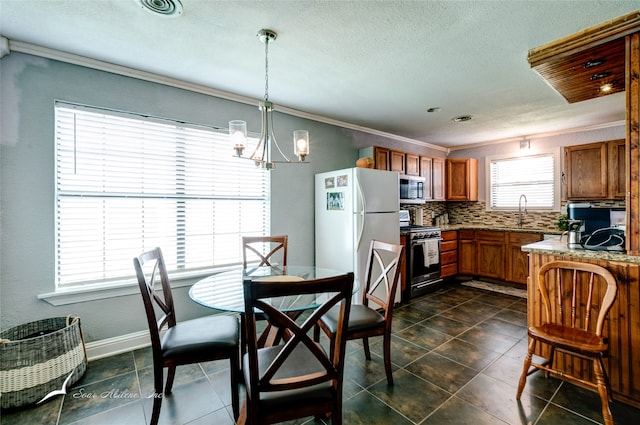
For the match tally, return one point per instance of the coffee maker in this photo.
(594, 218)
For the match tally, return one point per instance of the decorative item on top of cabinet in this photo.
(449, 253)
(596, 170)
(462, 179)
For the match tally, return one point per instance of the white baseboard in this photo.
(116, 345)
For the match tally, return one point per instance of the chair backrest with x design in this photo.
(299, 364)
(150, 268)
(256, 246)
(382, 272)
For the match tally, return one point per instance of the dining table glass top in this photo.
(224, 291)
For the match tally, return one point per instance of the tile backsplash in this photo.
(475, 213)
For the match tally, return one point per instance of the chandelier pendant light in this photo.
(261, 155)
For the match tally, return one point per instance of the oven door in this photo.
(424, 260)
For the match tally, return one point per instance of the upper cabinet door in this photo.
(397, 161)
(438, 176)
(381, 158)
(426, 166)
(586, 171)
(462, 179)
(617, 169)
(412, 164)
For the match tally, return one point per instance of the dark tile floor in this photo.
(457, 354)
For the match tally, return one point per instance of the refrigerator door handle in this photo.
(361, 213)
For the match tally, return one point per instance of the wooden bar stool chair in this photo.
(577, 298)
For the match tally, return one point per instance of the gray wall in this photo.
(29, 87)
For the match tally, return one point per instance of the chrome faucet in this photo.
(519, 224)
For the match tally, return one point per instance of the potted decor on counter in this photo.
(563, 222)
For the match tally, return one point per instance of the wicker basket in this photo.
(37, 357)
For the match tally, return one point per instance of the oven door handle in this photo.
(426, 283)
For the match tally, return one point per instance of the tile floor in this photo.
(457, 354)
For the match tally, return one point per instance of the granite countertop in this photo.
(555, 246)
(498, 229)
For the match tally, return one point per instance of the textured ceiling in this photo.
(376, 64)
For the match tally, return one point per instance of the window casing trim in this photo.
(557, 171)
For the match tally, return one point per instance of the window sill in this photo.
(94, 292)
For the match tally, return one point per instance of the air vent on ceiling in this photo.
(170, 8)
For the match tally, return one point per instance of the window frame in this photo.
(122, 285)
(557, 172)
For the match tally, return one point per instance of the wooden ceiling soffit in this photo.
(578, 66)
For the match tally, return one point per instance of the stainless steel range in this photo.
(422, 256)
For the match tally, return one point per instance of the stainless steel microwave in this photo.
(412, 189)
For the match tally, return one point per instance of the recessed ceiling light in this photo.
(600, 76)
(435, 109)
(593, 63)
(462, 118)
(605, 88)
(168, 8)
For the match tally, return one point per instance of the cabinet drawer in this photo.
(466, 234)
(448, 245)
(449, 270)
(490, 236)
(449, 235)
(448, 257)
(520, 238)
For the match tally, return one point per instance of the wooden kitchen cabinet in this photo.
(412, 164)
(617, 173)
(467, 252)
(381, 158)
(596, 170)
(438, 178)
(449, 253)
(586, 171)
(396, 161)
(491, 253)
(426, 171)
(462, 179)
(517, 269)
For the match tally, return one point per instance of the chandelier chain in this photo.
(266, 69)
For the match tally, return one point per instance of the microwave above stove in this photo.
(412, 189)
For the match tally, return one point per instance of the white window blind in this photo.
(127, 183)
(532, 176)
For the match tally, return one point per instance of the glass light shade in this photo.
(238, 133)
(301, 143)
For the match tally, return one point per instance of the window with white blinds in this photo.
(533, 176)
(127, 183)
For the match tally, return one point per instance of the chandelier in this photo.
(261, 155)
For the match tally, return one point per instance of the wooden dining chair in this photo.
(374, 316)
(577, 298)
(190, 341)
(296, 378)
(256, 246)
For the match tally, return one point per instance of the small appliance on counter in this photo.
(602, 229)
(575, 230)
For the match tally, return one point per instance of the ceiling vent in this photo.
(168, 8)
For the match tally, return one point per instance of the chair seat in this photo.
(300, 362)
(196, 338)
(566, 338)
(360, 318)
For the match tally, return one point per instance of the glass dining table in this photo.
(225, 292)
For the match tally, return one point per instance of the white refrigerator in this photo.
(352, 207)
